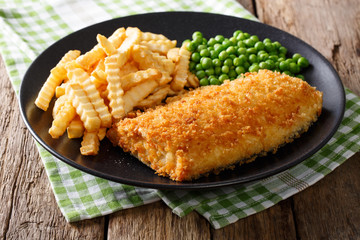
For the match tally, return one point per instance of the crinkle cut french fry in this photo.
(83, 107)
(173, 54)
(192, 80)
(137, 93)
(147, 59)
(90, 143)
(101, 133)
(91, 57)
(181, 69)
(62, 120)
(57, 75)
(80, 76)
(76, 128)
(159, 46)
(115, 91)
(132, 37)
(155, 97)
(59, 103)
(129, 67)
(132, 79)
(60, 90)
(105, 44)
(147, 36)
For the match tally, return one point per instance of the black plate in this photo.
(113, 164)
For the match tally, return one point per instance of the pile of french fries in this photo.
(129, 70)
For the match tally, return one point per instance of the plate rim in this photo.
(182, 185)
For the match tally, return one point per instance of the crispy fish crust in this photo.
(214, 127)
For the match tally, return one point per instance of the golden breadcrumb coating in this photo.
(214, 127)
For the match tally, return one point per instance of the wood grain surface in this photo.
(330, 209)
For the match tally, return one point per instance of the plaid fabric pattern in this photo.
(27, 27)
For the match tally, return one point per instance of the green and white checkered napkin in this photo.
(30, 26)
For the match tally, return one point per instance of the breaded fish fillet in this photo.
(214, 127)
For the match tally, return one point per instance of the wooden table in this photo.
(328, 210)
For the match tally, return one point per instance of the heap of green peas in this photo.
(215, 60)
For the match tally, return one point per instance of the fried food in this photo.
(57, 75)
(128, 71)
(214, 127)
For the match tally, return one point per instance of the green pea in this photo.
(232, 56)
(241, 44)
(223, 77)
(205, 52)
(259, 46)
(232, 40)
(206, 62)
(294, 68)
(282, 50)
(232, 74)
(296, 57)
(240, 70)
(273, 58)
(254, 67)
(198, 40)
(211, 42)
(269, 47)
(263, 65)
(251, 50)
(254, 38)
(200, 74)
(237, 62)
(223, 55)
(192, 46)
(241, 36)
(217, 70)
(284, 66)
(270, 63)
(226, 43)
(249, 42)
(213, 54)
(267, 40)
(201, 47)
(247, 35)
(246, 65)
(277, 45)
(219, 38)
(228, 62)
(210, 71)
(198, 67)
(185, 41)
(204, 82)
(236, 33)
(216, 62)
(241, 50)
(231, 50)
(253, 58)
(214, 81)
(197, 34)
(263, 57)
(218, 47)
(195, 57)
(303, 62)
(225, 69)
(243, 58)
